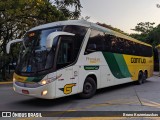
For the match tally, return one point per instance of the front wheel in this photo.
(89, 88)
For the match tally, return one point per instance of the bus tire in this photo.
(145, 76)
(89, 88)
(140, 78)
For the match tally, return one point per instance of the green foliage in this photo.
(65, 5)
(18, 16)
(154, 36)
(147, 33)
(144, 27)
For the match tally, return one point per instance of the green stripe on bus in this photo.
(117, 65)
(122, 65)
(30, 79)
(113, 65)
(35, 79)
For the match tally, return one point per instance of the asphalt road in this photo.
(126, 97)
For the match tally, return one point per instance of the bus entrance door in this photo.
(65, 58)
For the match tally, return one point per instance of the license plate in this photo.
(25, 91)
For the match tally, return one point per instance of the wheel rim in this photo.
(88, 88)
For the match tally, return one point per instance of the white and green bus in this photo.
(75, 56)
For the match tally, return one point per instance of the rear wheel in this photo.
(145, 76)
(89, 88)
(140, 78)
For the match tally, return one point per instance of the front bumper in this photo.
(37, 91)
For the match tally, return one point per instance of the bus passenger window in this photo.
(95, 42)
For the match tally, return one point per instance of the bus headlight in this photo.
(45, 81)
(44, 92)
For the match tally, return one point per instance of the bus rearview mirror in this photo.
(53, 35)
(11, 42)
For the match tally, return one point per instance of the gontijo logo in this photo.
(67, 88)
(138, 60)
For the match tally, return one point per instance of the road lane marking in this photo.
(146, 102)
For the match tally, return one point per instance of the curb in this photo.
(1, 83)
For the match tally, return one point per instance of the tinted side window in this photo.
(95, 42)
(120, 45)
(113, 44)
(80, 33)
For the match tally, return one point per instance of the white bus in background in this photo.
(69, 57)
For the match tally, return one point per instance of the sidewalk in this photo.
(156, 74)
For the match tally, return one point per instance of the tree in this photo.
(18, 16)
(65, 5)
(143, 29)
(154, 36)
(147, 33)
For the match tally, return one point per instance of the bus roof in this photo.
(88, 24)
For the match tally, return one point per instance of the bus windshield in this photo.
(34, 57)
